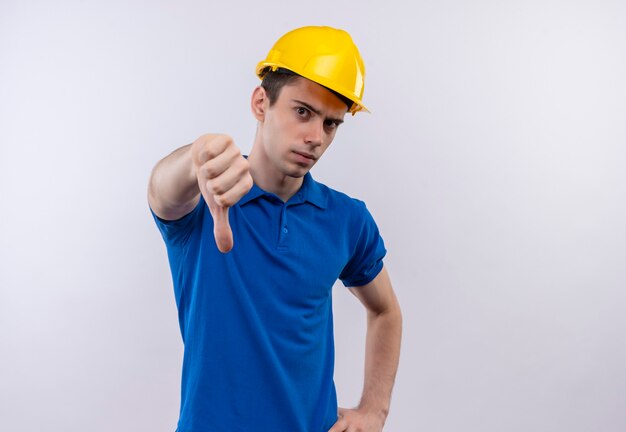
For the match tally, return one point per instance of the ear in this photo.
(259, 103)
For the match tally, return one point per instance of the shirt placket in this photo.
(283, 230)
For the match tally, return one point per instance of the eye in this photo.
(330, 124)
(303, 112)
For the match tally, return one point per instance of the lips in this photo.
(306, 155)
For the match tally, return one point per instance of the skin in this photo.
(382, 354)
(292, 135)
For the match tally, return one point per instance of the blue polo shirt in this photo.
(257, 322)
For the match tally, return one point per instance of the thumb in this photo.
(221, 228)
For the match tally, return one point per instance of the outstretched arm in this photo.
(173, 189)
(382, 353)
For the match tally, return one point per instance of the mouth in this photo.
(306, 155)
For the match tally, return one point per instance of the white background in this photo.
(493, 161)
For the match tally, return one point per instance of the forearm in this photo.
(382, 353)
(173, 188)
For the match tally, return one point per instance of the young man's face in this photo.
(300, 126)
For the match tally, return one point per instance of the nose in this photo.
(314, 133)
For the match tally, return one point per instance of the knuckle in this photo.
(219, 200)
(225, 138)
(223, 201)
(209, 152)
(248, 182)
(218, 189)
(209, 171)
(215, 186)
(240, 169)
(243, 166)
(222, 141)
(209, 146)
(210, 186)
(232, 149)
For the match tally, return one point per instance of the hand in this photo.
(223, 178)
(357, 420)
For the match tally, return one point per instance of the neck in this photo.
(267, 175)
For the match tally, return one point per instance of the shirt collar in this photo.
(310, 191)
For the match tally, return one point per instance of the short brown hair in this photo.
(274, 81)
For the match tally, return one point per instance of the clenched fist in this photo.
(223, 177)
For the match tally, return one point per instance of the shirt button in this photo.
(285, 230)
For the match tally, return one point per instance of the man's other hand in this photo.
(357, 420)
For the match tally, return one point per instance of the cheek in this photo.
(291, 126)
(329, 139)
(281, 124)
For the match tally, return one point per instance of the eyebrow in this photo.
(317, 111)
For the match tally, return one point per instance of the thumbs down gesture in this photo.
(223, 178)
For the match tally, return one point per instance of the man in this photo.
(255, 246)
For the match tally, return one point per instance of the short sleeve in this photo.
(368, 253)
(176, 232)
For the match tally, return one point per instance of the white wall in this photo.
(493, 162)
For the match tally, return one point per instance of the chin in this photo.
(296, 171)
(298, 174)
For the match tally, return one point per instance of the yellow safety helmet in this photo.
(325, 55)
